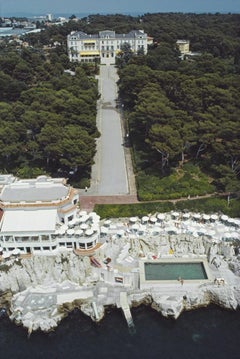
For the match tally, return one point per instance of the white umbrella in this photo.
(202, 231)
(224, 218)
(107, 223)
(145, 219)
(196, 215)
(61, 232)
(133, 219)
(135, 226)
(153, 219)
(120, 232)
(70, 232)
(186, 216)
(72, 223)
(78, 232)
(83, 219)
(89, 232)
(234, 235)
(206, 217)
(210, 233)
(161, 216)
(16, 251)
(214, 217)
(155, 230)
(6, 255)
(104, 230)
(82, 213)
(171, 229)
(64, 227)
(84, 226)
(175, 214)
(95, 227)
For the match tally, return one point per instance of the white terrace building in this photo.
(40, 216)
(104, 46)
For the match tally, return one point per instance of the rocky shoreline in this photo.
(38, 292)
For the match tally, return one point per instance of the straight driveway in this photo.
(109, 173)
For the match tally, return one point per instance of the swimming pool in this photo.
(171, 270)
(174, 271)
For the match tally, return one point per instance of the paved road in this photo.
(109, 174)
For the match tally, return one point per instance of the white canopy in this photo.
(78, 232)
(145, 219)
(153, 219)
(70, 232)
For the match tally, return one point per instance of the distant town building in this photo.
(104, 46)
(40, 216)
(49, 17)
(183, 46)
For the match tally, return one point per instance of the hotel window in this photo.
(45, 238)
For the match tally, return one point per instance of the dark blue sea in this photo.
(209, 333)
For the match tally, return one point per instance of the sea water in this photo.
(209, 333)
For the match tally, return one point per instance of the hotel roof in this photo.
(42, 189)
(29, 221)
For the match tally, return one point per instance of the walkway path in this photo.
(109, 174)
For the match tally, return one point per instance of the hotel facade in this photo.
(104, 46)
(41, 216)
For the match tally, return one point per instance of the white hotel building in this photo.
(104, 46)
(41, 216)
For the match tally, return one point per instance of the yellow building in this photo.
(183, 46)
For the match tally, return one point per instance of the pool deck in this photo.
(145, 283)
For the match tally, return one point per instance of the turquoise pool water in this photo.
(173, 271)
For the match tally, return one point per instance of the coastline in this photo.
(41, 290)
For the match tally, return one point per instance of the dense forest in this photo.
(47, 117)
(182, 115)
